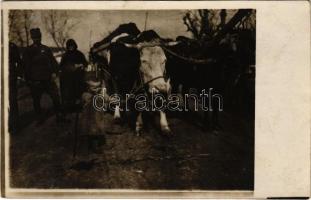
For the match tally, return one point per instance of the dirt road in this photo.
(42, 156)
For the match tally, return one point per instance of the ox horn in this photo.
(100, 48)
(173, 43)
(131, 45)
(118, 37)
(141, 45)
(150, 44)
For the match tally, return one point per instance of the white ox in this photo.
(152, 70)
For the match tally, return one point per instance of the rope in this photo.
(188, 59)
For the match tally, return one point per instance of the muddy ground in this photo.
(42, 156)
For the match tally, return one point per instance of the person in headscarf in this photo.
(41, 69)
(72, 66)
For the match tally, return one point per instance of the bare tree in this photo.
(248, 22)
(27, 24)
(58, 26)
(19, 26)
(201, 23)
(206, 24)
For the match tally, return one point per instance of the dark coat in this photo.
(72, 78)
(14, 69)
(39, 63)
(71, 58)
(15, 62)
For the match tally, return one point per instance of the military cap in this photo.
(35, 33)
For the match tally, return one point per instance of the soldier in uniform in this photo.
(41, 71)
(14, 69)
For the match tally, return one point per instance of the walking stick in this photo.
(75, 134)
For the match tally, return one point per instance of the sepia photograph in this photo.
(155, 99)
(132, 99)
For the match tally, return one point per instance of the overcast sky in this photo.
(95, 25)
(92, 26)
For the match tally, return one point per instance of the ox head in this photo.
(100, 53)
(152, 61)
(152, 66)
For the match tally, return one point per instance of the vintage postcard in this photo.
(156, 99)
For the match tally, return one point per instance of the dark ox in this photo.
(188, 69)
(133, 61)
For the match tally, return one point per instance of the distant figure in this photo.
(41, 72)
(14, 68)
(72, 67)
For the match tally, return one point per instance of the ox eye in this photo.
(145, 64)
